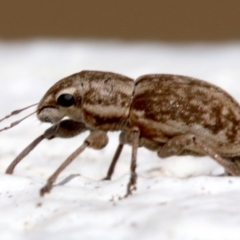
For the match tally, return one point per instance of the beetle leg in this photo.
(132, 184)
(96, 140)
(231, 167)
(177, 145)
(124, 138)
(114, 162)
(63, 129)
(25, 152)
(235, 160)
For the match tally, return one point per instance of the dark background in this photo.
(179, 20)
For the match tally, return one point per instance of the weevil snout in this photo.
(59, 107)
(49, 114)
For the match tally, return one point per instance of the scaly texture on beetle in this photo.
(102, 100)
(165, 106)
(169, 114)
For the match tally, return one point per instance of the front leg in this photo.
(63, 129)
(96, 140)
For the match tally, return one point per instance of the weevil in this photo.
(172, 115)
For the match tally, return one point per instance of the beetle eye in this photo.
(66, 100)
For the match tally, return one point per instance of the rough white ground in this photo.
(177, 198)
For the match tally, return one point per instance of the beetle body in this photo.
(170, 114)
(162, 107)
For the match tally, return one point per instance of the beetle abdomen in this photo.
(169, 105)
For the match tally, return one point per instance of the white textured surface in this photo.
(176, 198)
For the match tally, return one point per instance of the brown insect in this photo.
(169, 114)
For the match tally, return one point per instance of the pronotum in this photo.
(169, 114)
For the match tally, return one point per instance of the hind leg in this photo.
(179, 144)
(235, 160)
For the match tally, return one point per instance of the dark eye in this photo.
(66, 100)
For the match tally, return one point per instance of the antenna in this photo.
(15, 112)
